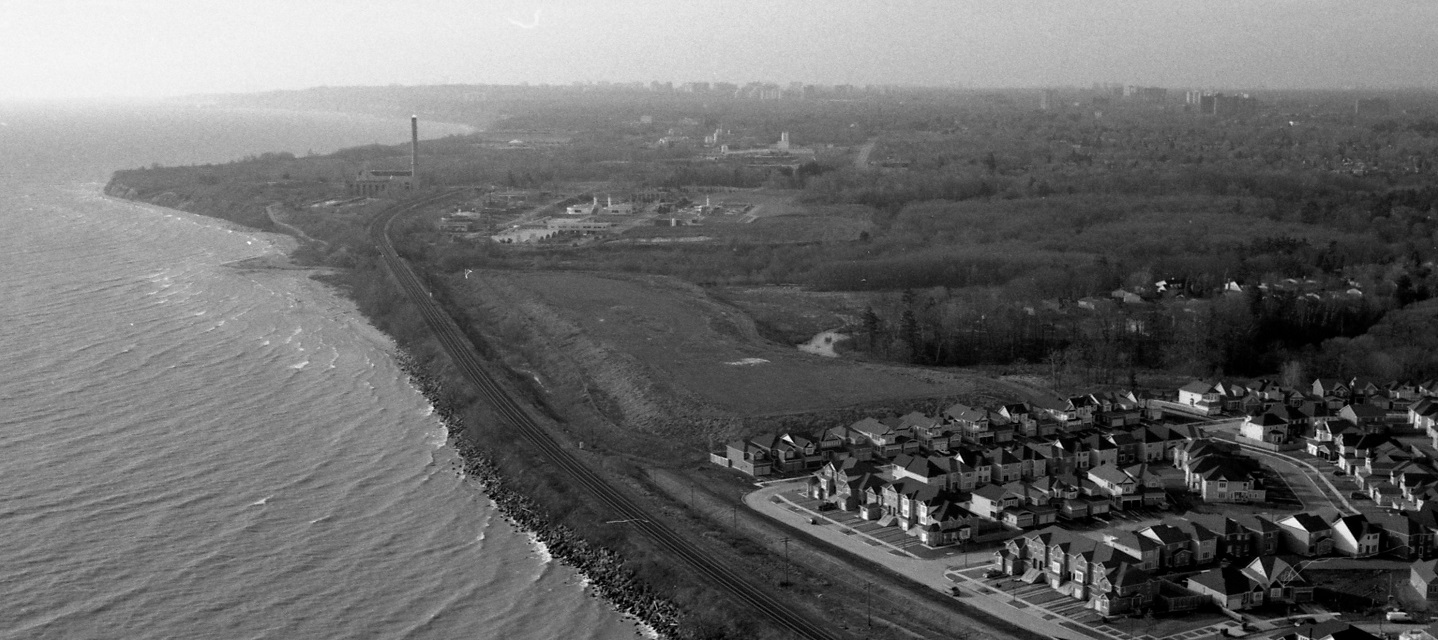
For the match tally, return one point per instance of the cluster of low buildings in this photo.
(951, 478)
(1179, 564)
(1356, 425)
(1017, 474)
(547, 228)
(1235, 561)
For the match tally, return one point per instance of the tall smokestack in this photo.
(414, 151)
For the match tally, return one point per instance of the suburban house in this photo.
(1267, 427)
(1354, 536)
(1424, 578)
(1264, 534)
(1306, 534)
(1408, 534)
(1206, 397)
(1265, 580)
(1221, 477)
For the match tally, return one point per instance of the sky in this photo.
(55, 49)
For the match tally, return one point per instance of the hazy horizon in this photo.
(161, 48)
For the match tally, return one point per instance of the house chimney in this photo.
(414, 152)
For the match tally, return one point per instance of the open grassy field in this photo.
(658, 356)
(683, 337)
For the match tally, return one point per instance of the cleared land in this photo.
(658, 353)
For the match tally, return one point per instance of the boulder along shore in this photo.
(600, 566)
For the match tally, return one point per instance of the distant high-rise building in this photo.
(1145, 94)
(1218, 104)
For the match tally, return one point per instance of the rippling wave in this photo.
(193, 450)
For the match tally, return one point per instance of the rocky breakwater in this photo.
(601, 567)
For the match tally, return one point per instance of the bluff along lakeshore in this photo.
(602, 568)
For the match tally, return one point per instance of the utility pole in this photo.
(786, 560)
(869, 601)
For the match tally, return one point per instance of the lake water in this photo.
(192, 450)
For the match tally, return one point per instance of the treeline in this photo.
(1104, 341)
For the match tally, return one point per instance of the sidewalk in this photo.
(1036, 608)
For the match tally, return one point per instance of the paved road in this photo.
(1312, 485)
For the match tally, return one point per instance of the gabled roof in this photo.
(917, 419)
(1256, 523)
(1111, 474)
(1397, 523)
(1426, 570)
(871, 427)
(991, 492)
(962, 412)
(1269, 419)
(1128, 574)
(1132, 540)
(1356, 525)
(1367, 411)
(1228, 581)
(1122, 439)
(1224, 468)
(1194, 530)
(1266, 569)
(1218, 523)
(1049, 404)
(1198, 386)
(1166, 534)
(1305, 522)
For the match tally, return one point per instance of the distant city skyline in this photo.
(158, 48)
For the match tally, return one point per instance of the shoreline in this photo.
(601, 570)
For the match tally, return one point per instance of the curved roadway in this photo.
(462, 353)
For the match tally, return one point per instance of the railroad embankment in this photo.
(608, 564)
(603, 568)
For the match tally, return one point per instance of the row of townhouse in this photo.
(1011, 442)
(1392, 473)
(1121, 572)
(1217, 472)
(918, 495)
(1280, 424)
(1111, 578)
(1402, 534)
(1366, 400)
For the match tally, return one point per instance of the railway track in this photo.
(462, 353)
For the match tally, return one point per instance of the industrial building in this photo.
(375, 182)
